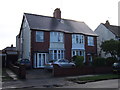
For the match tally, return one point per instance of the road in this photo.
(60, 83)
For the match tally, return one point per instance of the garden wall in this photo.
(60, 71)
(20, 70)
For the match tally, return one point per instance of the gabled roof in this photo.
(114, 29)
(39, 22)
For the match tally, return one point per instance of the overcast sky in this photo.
(92, 12)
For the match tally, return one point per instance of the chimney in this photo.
(57, 13)
(107, 23)
(11, 45)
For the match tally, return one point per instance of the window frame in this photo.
(90, 41)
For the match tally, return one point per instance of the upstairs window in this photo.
(90, 41)
(77, 39)
(56, 37)
(39, 36)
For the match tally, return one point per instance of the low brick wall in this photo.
(60, 71)
(20, 70)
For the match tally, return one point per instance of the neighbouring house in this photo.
(106, 32)
(2, 58)
(44, 38)
(9, 55)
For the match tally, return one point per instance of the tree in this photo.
(112, 47)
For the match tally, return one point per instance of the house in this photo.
(106, 32)
(9, 55)
(45, 38)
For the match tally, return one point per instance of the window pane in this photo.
(73, 38)
(55, 54)
(77, 39)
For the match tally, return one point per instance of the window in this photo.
(56, 37)
(77, 39)
(39, 36)
(77, 52)
(90, 41)
(56, 54)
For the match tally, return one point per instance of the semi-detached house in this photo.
(44, 38)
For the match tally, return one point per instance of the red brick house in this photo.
(44, 38)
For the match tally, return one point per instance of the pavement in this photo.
(40, 78)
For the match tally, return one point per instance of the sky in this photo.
(92, 12)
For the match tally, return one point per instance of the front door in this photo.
(41, 59)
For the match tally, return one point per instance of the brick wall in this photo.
(61, 71)
(42, 47)
(68, 46)
(90, 49)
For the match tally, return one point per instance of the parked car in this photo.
(116, 67)
(61, 62)
(26, 62)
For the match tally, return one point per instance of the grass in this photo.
(5, 76)
(96, 78)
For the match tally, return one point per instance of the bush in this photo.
(98, 61)
(110, 61)
(78, 60)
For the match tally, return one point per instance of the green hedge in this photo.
(98, 61)
(110, 61)
(78, 60)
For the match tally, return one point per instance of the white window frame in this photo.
(41, 36)
(90, 41)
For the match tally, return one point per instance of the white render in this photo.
(103, 35)
(25, 40)
(56, 45)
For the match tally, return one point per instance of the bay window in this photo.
(56, 37)
(77, 52)
(56, 54)
(77, 39)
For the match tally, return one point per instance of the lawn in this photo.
(95, 78)
(5, 76)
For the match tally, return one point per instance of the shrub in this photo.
(78, 60)
(110, 61)
(98, 61)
